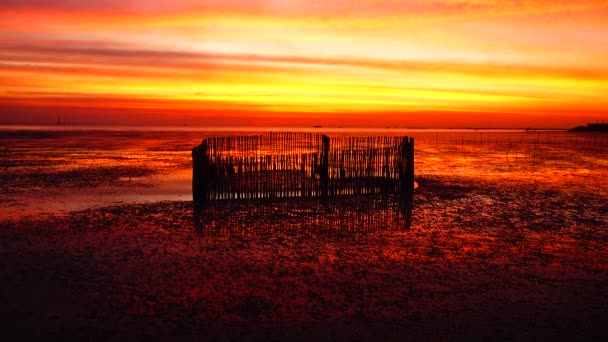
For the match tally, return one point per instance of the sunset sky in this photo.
(416, 63)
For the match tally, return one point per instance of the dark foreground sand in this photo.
(481, 261)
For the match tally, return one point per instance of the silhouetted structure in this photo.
(272, 170)
(278, 165)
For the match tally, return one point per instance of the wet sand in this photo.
(493, 251)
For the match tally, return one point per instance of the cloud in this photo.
(91, 53)
(313, 7)
(311, 55)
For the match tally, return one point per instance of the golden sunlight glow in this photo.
(406, 63)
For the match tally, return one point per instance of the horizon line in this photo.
(312, 127)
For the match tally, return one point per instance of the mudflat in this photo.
(507, 239)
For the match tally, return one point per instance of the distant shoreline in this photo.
(67, 127)
(591, 128)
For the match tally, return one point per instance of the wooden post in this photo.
(200, 173)
(196, 161)
(410, 166)
(324, 176)
(403, 165)
(406, 178)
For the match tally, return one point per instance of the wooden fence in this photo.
(279, 165)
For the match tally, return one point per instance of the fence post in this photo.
(324, 166)
(403, 165)
(200, 173)
(410, 166)
(406, 178)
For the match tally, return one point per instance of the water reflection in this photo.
(333, 216)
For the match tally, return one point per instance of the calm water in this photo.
(57, 169)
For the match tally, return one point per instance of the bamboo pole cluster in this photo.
(286, 164)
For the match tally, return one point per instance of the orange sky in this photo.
(418, 63)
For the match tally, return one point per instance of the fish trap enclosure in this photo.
(281, 165)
